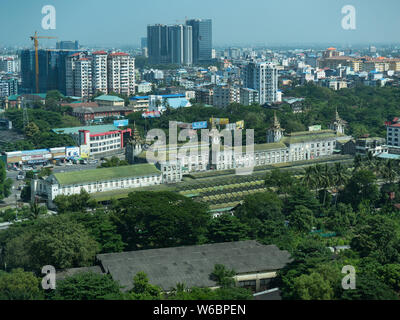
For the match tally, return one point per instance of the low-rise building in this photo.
(255, 264)
(100, 140)
(107, 101)
(94, 181)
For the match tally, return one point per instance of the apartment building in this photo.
(225, 95)
(263, 77)
(99, 71)
(88, 73)
(121, 73)
(83, 78)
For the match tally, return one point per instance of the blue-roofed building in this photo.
(178, 103)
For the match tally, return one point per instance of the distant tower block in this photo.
(275, 133)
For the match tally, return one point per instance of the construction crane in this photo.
(36, 44)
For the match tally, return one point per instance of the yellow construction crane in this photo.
(36, 44)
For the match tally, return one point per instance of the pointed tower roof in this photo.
(337, 118)
(276, 125)
(136, 135)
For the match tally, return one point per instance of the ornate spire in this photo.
(337, 117)
(136, 135)
(277, 124)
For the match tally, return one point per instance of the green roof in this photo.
(93, 129)
(109, 98)
(309, 136)
(15, 96)
(93, 175)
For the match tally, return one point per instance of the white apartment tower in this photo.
(121, 73)
(99, 72)
(83, 78)
(263, 77)
(70, 68)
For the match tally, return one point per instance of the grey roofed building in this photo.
(192, 265)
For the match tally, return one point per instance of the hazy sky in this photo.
(123, 22)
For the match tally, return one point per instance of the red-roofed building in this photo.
(121, 73)
(88, 73)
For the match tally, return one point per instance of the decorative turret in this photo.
(134, 146)
(338, 124)
(275, 133)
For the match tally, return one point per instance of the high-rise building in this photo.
(248, 96)
(158, 44)
(8, 86)
(121, 73)
(83, 78)
(67, 45)
(52, 70)
(99, 71)
(224, 95)
(180, 44)
(202, 39)
(8, 64)
(263, 77)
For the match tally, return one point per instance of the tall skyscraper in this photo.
(180, 44)
(263, 77)
(158, 44)
(202, 39)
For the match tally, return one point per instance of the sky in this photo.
(235, 22)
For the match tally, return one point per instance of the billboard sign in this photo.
(219, 120)
(314, 128)
(240, 125)
(72, 152)
(151, 114)
(121, 123)
(199, 125)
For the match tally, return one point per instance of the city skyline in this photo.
(255, 22)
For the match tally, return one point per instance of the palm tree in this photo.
(388, 171)
(309, 177)
(358, 162)
(34, 210)
(340, 177)
(325, 179)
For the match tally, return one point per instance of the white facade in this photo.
(121, 73)
(50, 187)
(263, 77)
(99, 72)
(8, 65)
(83, 78)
